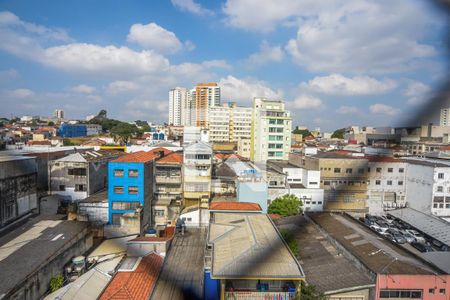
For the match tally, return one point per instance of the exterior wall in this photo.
(243, 147)
(168, 192)
(271, 130)
(177, 106)
(195, 217)
(69, 131)
(380, 194)
(312, 199)
(125, 182)
(219, 123)
(253, 191)
(96, 212)
(17, 189)
(240, 123)
(206, 95)
(93, 129)
(344, 191)
(37, 283)
(422, 283)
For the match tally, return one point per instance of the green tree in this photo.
(56, 282)
(123, 132)
(338, 134)
(303, 132)
(292, 243)
(287, 205)
(310, 292)
(51, 123)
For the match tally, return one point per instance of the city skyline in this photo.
(52, 60)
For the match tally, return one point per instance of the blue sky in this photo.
(335, 63)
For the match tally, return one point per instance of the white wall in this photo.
(419, 187)
(196, 218)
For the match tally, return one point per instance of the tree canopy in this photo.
(303, 132)
(310, 292)
(287, 205)
(123, 132)
(338, 133)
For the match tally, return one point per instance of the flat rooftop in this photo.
(373, 251)
(101, 196)
(324, 266)
(6, 158)
(248, 245)
(430, 225)
(31, 246)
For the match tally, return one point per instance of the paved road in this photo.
(182, 272)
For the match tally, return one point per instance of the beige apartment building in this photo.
(229, 123)
(343, 177)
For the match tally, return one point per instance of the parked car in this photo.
(399, 239)
(422, 247)
(389, 237)
(377, 228)
(419, 238)
(371, 218)
(408, 236)
(440, 246)
(382, 225)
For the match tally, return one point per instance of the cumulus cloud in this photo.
(307, 102)
(154, 37)
(145, 109)
(120, 86)
(83, 89)
(8, 74)
(234, 89)
(265, 54)
(192, 7)
(347, 110)
(336, 84)
(342, 35)
(21, 93)
(383, 109)
(417, 93)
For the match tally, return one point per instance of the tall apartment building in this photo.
(206, 95)
(229, 123)
(179, 98)
(445, 117)
(271, 130)
(59, 114)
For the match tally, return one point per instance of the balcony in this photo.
(236, 295)
(168, 179)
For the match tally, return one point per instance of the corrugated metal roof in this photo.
(430, 225)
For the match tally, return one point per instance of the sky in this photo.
(334, 62)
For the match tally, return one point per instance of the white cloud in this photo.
(347, 110)
(145, 109)
(379, 108)
(336, 84)
(21, 93)
(234, 89)
(343, 35)
(417, 92)
(83, 89)
(8, 19)
(8, 74)
(307, 102)
(192, 7)
(154, 37)
(265, 54)
(120, 86)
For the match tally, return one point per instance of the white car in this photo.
(378, 229)
(419, 238)
(408, 236)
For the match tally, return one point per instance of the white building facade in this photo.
(229, 123)
(271, 130)
(178, 98)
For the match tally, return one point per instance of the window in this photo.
(368, 170)
(312, 182)
(124, 205)
(77, 171)
(133, 173)
(118, 173)
(400, 182)
(401, 170)
(133, 190)
(80, 187)
(62, 187)
(116, 219)
(377, 182)
(441, 175)
(361, 171)
(337, 170)
(390, 170)
(118, 190)
(378, 170)
(442, 291)
(389, 182)
(159, 212)
(440, 188)
(405, 294)
(431, 291)
(348, 171)
(326, 183)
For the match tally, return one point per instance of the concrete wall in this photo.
(37, 284)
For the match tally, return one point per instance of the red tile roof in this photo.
(172, 158)
(244, 206)
(142, 156)
(137, 284)
(274, 216)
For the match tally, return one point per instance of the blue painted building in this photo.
(72, 130)
(130, 184)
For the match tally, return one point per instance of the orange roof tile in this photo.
(137, 284)
(275, 216)
(245, 206)
(172, 158)
(142, 156)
